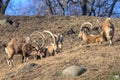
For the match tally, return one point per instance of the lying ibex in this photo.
(90, 38)
(90, 30)
(107, 30)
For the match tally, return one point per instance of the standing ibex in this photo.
(54, 47)
(59, 41)
(14, 47)
(18, 46)
(107, 30)
(33, 48)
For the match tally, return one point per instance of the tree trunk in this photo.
(3, 6)
(50, 8)
(84, 7)
(112, 7)
(92, 8)
(63, 10)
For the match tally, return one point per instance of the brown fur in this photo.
(52, 48)
(91, 38)
(31, 49)
(14, 47)
(59, 42)
(27, 49)
(107, 30)
(18, 46)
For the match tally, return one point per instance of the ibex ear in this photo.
(84, 31)
(108, 19)
(56, 36)
(98, 22)
(62, 33)
(27, 39)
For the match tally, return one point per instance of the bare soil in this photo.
(101, 61)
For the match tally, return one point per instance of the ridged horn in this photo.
(38, 33)
(47, 31)
(86, 23)
(99, 23)
(108, 20)
(56, 36)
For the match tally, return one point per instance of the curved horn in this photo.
(108, 20)
(98, 22)
(86, 24)
(56, 36)
(47, 31)
(37, 33)
(27, 39)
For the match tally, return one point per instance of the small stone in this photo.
(3, 22)
(116, 76)
(27, 67)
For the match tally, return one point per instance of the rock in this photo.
(10, 75)
(26, 68)
(73, 71)
(38, 78)
(22, 69)
(116, 77)
(3, 22)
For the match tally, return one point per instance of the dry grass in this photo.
(100, 61)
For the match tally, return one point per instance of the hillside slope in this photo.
(100, 61)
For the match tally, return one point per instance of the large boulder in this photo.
(73, 71)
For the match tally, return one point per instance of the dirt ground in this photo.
(102, 62)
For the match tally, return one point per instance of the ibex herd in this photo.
(27, 47)
(106, 32)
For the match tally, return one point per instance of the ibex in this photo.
(14, 47)
(18, 46)
(59, 41)
(89, 38)
(31, 49)
(54, 47)
(107, 30)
